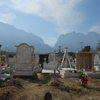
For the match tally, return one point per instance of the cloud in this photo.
(6, 15)
(95, 28)
(63, 13)
(7, 18)
(50, 41)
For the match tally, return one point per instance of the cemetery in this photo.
(29, 76)
(25, 62)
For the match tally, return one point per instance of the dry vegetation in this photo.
(61, 89)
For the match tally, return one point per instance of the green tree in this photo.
(86, 49)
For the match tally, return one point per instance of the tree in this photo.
(86, 49)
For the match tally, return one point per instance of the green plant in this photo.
(5, 72)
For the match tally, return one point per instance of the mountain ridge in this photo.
(73, 40)
(11, 36)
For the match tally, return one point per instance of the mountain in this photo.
(11, 36)
(73, 40)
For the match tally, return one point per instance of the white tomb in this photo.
(97, 61)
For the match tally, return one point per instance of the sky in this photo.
(51, 18)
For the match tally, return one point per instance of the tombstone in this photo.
(50, 66)
(97, 60)
(24, 60)
(36, 59)
(52, 57)
(52, 62)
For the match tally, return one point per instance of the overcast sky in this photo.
(50, 18)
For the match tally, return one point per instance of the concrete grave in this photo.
(24, 60)
(52, 64)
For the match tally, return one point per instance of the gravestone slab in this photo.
(24, 60)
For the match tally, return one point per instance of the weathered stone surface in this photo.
(23, 60)
(24, 54)
(52, 57)
(23, 73)
(23, 67)
(50, 66)
(36, 60)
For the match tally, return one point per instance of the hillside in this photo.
(10, 36)
(72, 40)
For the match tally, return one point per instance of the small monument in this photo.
(97, 60)
(24, 60)
(52, 64)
